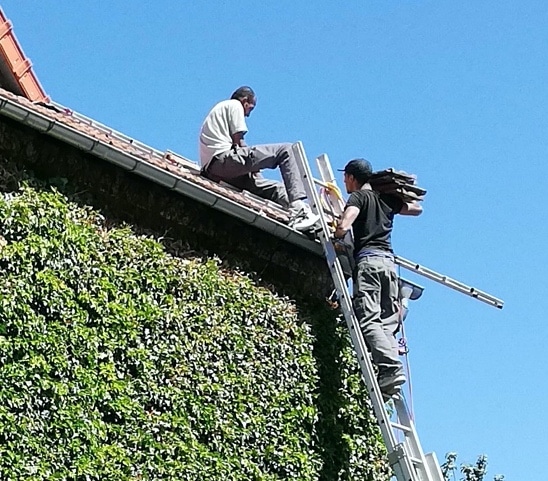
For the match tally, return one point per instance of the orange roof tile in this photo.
(15, 68)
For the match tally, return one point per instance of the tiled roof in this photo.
(16, 72)
(170, 169)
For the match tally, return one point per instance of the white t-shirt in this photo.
(225, 119)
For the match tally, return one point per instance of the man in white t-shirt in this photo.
(225, 156)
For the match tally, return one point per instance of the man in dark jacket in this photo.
(370, 214)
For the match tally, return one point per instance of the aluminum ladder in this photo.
(406, 457)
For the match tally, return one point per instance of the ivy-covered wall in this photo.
(126, 358)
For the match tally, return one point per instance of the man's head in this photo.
(247, 98)
(356, 173)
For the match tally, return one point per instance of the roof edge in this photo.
(20, 67)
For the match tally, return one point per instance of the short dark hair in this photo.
(243, 92)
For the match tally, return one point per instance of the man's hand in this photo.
(339, 232)
(238, 139)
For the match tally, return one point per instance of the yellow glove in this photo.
(334, 190)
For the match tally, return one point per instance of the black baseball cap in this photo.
(359, 168)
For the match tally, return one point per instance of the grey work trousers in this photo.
(239, 166)
(377, 309)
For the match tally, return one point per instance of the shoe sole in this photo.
(307, 223)
(390, 397)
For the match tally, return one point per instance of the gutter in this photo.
(130, 163)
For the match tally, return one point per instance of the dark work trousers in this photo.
(377, 309)
(238, 165)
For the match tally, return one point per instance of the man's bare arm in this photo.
(411, 208)
(349, 216)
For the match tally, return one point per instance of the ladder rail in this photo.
(407, 459)
(412, 440)
(449, 282)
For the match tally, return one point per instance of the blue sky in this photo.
(455, 92)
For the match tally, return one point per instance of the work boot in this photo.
(302, 217)
(391, 397)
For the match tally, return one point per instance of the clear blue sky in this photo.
(454, 91)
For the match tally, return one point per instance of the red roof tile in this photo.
(16, 69)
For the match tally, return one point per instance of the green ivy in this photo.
(119, 361)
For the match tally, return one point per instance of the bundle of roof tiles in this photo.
(399, 183)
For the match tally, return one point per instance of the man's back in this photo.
(373, 227)
(225, 119)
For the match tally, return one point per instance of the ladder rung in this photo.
(401, 427)
(399, 453)
(321, 183)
